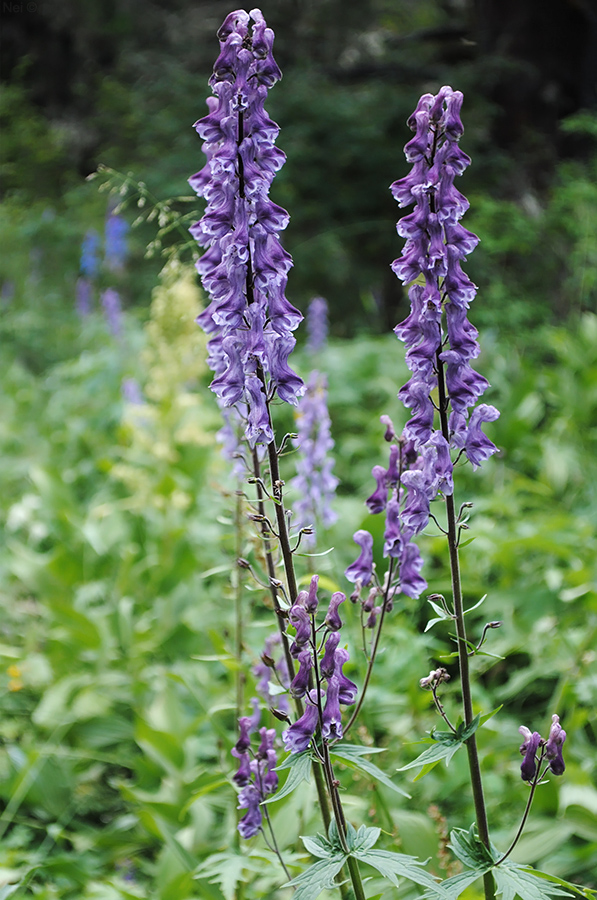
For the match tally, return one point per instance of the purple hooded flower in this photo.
(300, 682)
(376, 503)
(331, 727)
(311, 603)
(299, 617)
(297, 737)
(529, 748)
(244, 267)
(553, 747)
(347, 689)
(477, 446)
(361, 570)
(332, 619)
(327, 665)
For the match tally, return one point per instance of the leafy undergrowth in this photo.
(117, 667)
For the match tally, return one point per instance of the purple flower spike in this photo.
(553, 747)
(529, 748)
(244, 268)
(90, 262)
(249, 799)
(116, 243)
(332, 619)
(436, 244)
(315, 484)
(317, 325)
(361, 570)
(298, 736)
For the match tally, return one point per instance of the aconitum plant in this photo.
(309, 702)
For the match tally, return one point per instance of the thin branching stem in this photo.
(373, 656)
(537, 780)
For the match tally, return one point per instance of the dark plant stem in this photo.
(238, 596)
(274, 846)
(523, 822)
(371, 662)
(463, 649)
(333, 784)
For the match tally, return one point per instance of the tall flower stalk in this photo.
(244, 272)
(440, 344)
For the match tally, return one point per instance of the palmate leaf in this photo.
(300, 770)
(452, 887)
(310, 883)
(352, 755)
(445, 744)
(471, 851)
(229, 869)
(395, 865)
(515, 880)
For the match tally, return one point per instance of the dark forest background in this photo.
(120, 83)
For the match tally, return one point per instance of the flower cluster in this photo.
(314, 483)
(535, 749)
(244, 268)
(256, 774)
(403, 491)
(116, 245)
(440, 340)
(322, 704)
(317, 325)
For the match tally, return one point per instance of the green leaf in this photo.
(228, 870)
(352, 756)
(300, 770)
(317, 878)
(514, 880)
(483, 598)
(366, 838)
(452, 887)
(392, 865)
(487, 716)
(318, 846)
(433, 755)
(470, 850)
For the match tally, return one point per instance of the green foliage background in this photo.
(117, 672)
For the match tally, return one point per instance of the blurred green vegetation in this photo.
(117, 677)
